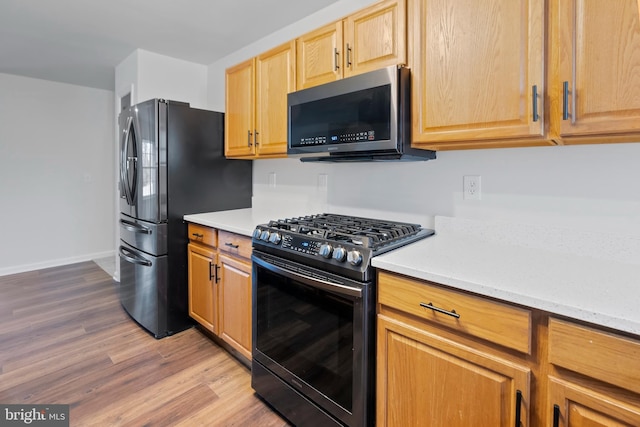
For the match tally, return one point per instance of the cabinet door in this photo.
(239, 115)
(599, 63)
(575, 406)
(375, 37)
(425, 380)
(275, 78)
(202, 286)
(475, 66)
(235, 304)
(319, 56)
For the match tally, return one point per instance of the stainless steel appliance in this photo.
(171, 164)
(314, 315)
(360, 118)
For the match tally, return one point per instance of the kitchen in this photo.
(561, 189)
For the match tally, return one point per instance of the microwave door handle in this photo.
(311, 281)
(132, 257)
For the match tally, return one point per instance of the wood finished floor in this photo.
(65, 339)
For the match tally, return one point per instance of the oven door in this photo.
(314, 331)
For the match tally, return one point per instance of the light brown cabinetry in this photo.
(595, 78)
(202, 260)
(220, 285)
(256, 104)
(478, 73)
(235, 291)
(427, 378)
(595, 379)
(372, 38)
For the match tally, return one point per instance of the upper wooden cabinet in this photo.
(478, 73)
(318, 56)
(596, 69)
(370, 39)
(256, 104)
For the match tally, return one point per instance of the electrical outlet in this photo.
(323, 180)
(272, 179)
(471, 187)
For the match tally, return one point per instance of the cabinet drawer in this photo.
(202, 234)
(235, 244)
(490, 320)
(601, 355)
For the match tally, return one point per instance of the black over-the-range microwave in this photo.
(361, 118)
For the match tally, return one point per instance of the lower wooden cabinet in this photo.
(220, 285)
(425, 380)
(202, 262)
(235, 303)
(573, 405)
(595, 377)
(440, 363)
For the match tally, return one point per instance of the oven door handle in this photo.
(339, 288)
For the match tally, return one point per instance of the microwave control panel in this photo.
(369, 135)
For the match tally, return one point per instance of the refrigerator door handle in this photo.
(133, 257)
(124, 162)
(136, 228)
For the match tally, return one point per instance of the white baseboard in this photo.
(54, 263)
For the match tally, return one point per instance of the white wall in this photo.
(585, 187)
(152, 75)
(56, 173)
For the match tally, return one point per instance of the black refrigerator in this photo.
(171, 164)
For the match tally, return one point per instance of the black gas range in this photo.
(336, 243)
(314, 301)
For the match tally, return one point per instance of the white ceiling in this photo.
(81, 41)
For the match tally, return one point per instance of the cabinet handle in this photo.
(534, 95)
(565, 100)
(249, 138)
(232, 245)
(255, 137)
(518, 405)
(210, 274)
(216, 273)
(348, 55)
(451, 313)
(556, 416)
(197, 236)
(336, 58)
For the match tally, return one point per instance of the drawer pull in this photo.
(197, 236)
(451, 313)
(231, 245)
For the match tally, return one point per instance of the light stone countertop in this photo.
(601, 291)
(538, 274)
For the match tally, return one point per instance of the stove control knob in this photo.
(339, 254)
(275, 238)
(256, 233)
(354, 257)
(325, 250)
(264, 235)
